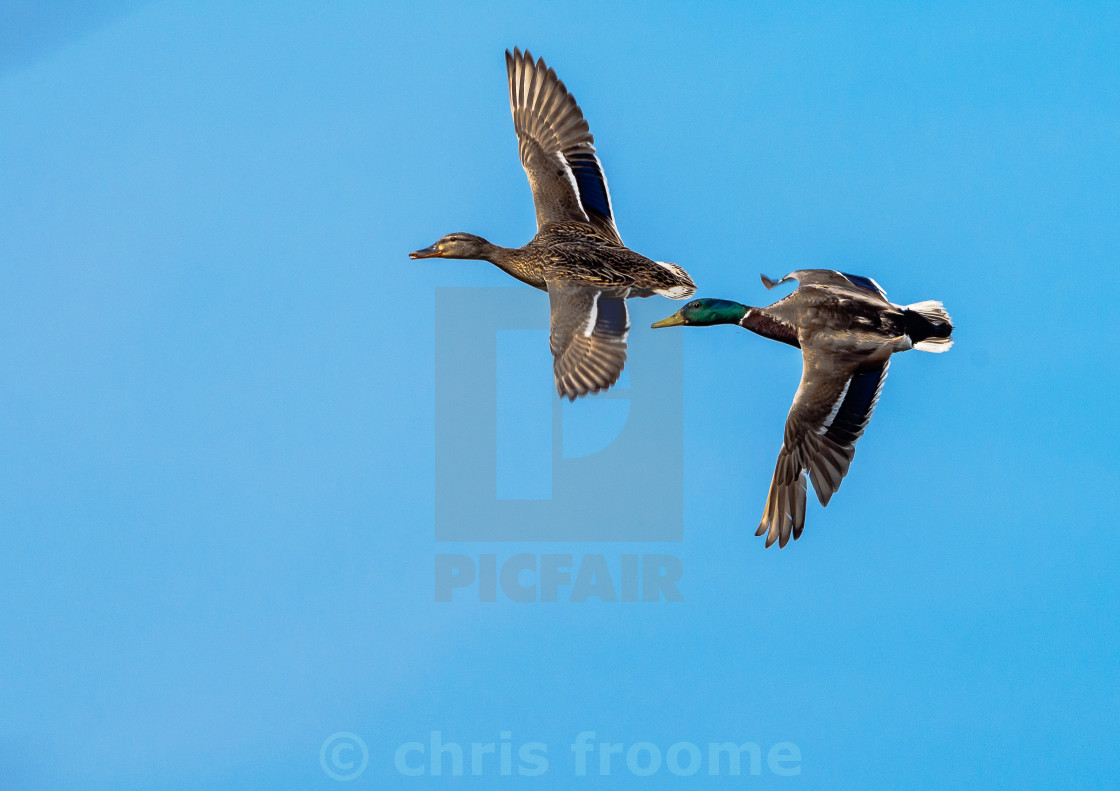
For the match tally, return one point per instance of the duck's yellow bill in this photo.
(675, 320)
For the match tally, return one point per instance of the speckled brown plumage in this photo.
(577, 255)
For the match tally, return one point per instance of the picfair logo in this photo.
(515, 463)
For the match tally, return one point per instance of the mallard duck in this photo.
(847, 331)
(577, 255)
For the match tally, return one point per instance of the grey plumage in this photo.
(847, 331)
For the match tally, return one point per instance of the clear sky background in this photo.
(217, 367)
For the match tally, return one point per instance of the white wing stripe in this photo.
(571, 177)
(592, 315)
(835, 408)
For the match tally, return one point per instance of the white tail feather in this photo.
(682, 291)
(935, 345)
(934, 312)
(931, 310)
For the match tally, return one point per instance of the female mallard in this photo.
(577, 255)
(847, 331)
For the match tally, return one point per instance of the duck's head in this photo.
(456, 245)
(704, 313)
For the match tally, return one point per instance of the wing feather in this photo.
(830, 277)
(557, 148)
(588, 338)
(832, 408)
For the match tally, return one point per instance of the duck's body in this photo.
(847, 331)
(575, 252)
(577, 255)
(840, 317)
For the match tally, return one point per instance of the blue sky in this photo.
(221, 378)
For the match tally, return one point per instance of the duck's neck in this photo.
(513, 261)
(505, 258)
(486, 251)
(760, 322)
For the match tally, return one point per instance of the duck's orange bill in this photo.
(427, 252)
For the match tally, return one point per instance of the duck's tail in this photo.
(928, 326)
(677, 284)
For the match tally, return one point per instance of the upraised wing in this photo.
(829, 277)
(556, 147)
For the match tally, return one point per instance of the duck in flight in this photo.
(577, 255)
(847, 331)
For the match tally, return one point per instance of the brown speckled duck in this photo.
(577, 255)
(847, 331)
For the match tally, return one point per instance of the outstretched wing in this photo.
(556, 147)
(829, 414)
(829, 277)
(588, 338)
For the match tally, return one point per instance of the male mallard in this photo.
(577, 255)
(847, 331)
